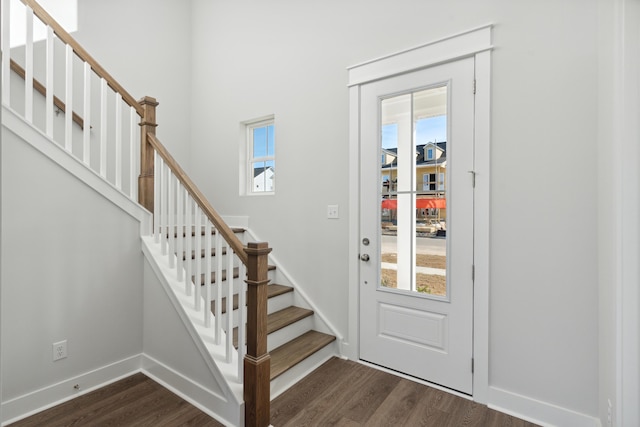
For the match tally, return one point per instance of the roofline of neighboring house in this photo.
(443, 164)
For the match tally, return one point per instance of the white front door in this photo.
(416, 223)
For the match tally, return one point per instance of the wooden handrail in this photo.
(42, 90)
(64, 36)
(222, 227)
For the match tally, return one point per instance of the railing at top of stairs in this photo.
(104, 144)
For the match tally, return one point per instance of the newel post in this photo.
(147, 126)
(257, 362)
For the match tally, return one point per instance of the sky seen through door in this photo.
(431, 129)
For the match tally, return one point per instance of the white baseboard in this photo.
(31, 403)
(211, 403)
(538, 412)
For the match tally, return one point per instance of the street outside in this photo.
(424, 245)
(429, 274)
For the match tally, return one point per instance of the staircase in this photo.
(206, 283)
(292, 340)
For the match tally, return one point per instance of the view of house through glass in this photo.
(414, 191)
(262, 149)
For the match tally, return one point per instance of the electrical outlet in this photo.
(332, 211)
(59, 350)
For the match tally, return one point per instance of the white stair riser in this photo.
(302, 369)
(280, 302)
(277, 303)
(288, 333)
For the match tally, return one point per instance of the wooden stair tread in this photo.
(273, 290)
(296, 350)
(224, 275)
(279, 320)
(285, 317)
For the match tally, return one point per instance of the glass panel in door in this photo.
(413, 192)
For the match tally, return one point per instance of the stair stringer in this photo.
(226, 405)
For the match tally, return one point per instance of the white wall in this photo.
(145, 46)
(289, 59)
(172, 357)
(71, 270)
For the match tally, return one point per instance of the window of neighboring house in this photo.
(429, 153)
(261, 164)
(441, 181)
(428, 181)
(385, 184)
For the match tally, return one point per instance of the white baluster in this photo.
(133, 127)
(164, 184)
(242, 319)
(118, 159)
(171, 215)
(188, 280)
(28, 68)
(68, 115)
(49, 83)
(86, 132)
(180, 231)
(230, 304)
(218, 296)
(103, 127)
(207, 274)
(198, 240)
(6, 47)
(157, 174)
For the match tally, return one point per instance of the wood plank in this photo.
(332, 404)
(321, 384)
(295, 351)
(135, 400)
(346, 393)
(285, 317)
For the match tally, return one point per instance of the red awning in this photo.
(420, 203)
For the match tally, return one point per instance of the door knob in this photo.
(364, 257)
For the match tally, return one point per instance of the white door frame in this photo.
(473, 43)
(625, 211)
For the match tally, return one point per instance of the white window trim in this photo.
(246, 158)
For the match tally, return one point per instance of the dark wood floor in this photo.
(339, 393)
(345, 393)
(133, 401)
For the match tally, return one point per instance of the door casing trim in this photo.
(473, 43)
